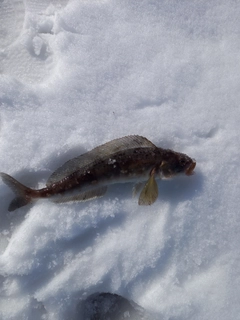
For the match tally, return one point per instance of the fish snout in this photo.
(190, 168)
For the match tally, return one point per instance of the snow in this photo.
(76, 74)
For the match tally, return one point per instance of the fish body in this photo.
(127, 159)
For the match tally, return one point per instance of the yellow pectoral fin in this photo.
(149, 193)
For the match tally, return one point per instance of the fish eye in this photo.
(182, 162)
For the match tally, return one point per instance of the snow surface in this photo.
(76, 74)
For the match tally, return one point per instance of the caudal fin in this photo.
(23, 193)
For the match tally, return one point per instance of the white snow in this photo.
(76, 74)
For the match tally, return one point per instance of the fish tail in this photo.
(24, 195)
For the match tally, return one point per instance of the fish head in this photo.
(175, 163)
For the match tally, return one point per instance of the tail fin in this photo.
(23, 193)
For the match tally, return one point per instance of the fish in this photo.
(131, 158)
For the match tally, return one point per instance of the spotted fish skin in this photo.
(131, 158)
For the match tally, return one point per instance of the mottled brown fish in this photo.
(131, 158)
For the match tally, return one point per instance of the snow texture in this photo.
(76, 74)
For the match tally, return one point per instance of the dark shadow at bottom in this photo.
(109, 306)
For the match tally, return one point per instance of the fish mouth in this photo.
(190, 168)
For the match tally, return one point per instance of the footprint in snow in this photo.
(26, 33)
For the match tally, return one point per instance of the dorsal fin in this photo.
(101, 152)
